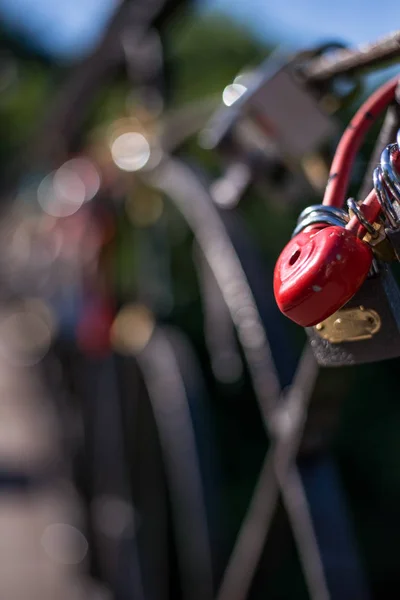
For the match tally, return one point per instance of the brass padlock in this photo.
(366, 329)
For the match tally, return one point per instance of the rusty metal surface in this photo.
(346, 62)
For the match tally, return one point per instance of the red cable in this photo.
(351, 141)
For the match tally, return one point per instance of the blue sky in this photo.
(307, 21)
(65, 28)
(68, 28)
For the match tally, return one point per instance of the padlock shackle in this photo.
(370, 208)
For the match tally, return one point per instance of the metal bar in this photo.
(219, 331)
(256, 525)
(181, 184)
(346, 62)
(171, 411)
(109, 483)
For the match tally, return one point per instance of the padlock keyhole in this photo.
(294, 258)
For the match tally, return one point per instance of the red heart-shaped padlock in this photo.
(318, 272)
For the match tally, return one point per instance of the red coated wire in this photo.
(348, 147)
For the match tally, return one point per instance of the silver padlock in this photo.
(272, 122)
(264, 107)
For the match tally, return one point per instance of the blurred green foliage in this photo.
(206, 54)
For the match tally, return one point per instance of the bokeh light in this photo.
(132, 329)
(63, 192)
(232, 93)
(64, 543)
(26, 332)
(130, 151)
(113, 516)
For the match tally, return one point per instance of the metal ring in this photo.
(384, 198)
(355, 209)
(389, 171)
(323, 209)
(315, 219)
(398, 138)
